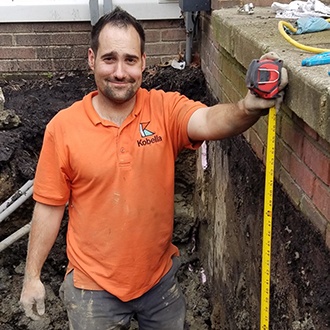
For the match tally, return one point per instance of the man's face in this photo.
(118, 64)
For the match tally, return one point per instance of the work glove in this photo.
(255, 104)
(33, 298)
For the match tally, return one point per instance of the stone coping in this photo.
(246, 37)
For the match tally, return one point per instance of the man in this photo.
(111, 157)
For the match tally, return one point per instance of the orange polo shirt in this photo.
(119, 182)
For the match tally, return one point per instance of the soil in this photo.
(29, 105)
(300, 286)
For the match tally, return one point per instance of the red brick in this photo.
(6, 40)
(310, 132)
(164, 48)
(283, 154)
(292, 135)
(33, 39)
(70, 39)
(321, 198)
(173, 34)
(17, 52)
(163, 24)
(317, 161)
(325, 145)
(302, 175)
(35, 66)
(9, 66)
(152, 35)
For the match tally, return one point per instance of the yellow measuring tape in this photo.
(267, 224)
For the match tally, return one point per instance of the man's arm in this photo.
(225, 120)
(45, 226)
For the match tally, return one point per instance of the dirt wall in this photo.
(229, 202)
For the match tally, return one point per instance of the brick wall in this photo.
(302, 156)
(56, 47)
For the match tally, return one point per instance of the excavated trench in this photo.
(300, 287)
(30, 104)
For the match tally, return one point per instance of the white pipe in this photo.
(15, 236)
(15, 196)
(16, 204)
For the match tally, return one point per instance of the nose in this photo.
(119, 72)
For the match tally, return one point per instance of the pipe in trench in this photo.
(15, 236)
(9, 206)
(7, 209)
(16, 195)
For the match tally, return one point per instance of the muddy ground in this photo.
(29, 105)
(300, 288)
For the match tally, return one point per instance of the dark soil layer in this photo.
(300, 287)
(35, 102)
(300, 260)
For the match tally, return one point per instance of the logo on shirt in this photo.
(148, 137)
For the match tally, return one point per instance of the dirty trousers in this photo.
(161, 308)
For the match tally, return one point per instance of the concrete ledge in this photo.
(246, 37)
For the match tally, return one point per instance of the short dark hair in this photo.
(120, 18)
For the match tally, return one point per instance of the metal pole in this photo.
(107, 6)
(188, 17)
(94, 11)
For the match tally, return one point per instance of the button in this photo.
(122, 150)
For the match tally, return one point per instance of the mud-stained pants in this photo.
(161, 308)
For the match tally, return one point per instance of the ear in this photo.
(91, 58)
(144, 60)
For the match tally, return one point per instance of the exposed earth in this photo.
(300, 289)
(29, 105)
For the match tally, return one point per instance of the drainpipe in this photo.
(189, 23)
(94, 9)
(190, 10)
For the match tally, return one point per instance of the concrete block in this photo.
(246, 37)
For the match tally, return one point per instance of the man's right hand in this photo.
(33, 298)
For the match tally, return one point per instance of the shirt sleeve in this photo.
(51, 184)
(181, 110)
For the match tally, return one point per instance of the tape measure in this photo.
(263, 79)
(267, 224)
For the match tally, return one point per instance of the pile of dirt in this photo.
(32, 103)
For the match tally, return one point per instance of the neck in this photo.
(114, 112)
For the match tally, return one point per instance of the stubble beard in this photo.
(120, 96)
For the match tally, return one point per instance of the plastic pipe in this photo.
(15, 236)
(10, 209)
(16, 195)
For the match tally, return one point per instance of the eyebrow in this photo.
(115, 54)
